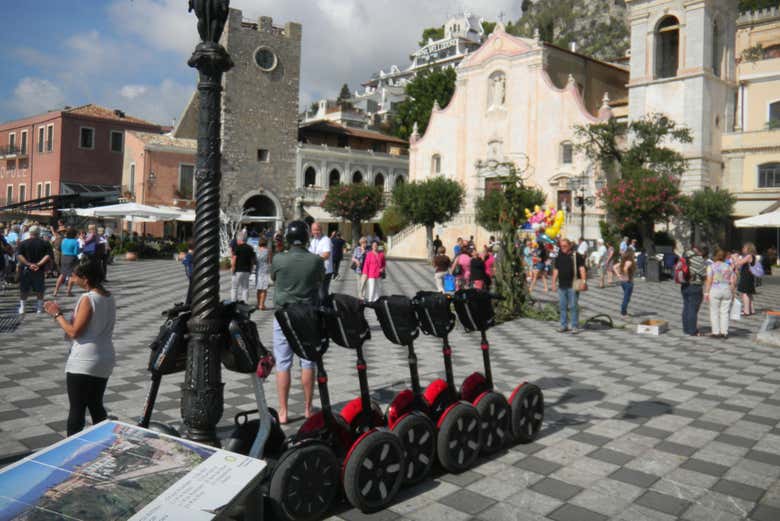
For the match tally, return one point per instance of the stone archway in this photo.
(262, 209)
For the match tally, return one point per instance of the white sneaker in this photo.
(21, 308)
(39, 309)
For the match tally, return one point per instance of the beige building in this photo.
(517, 100)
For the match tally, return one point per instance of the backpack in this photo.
(474, 309)
(396, 316)
(348, 327)
(243, 349)
(433, 313)
(682, 274)
(169, 349)
(303, 328)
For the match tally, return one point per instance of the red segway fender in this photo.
(517, 389)
(444, 414)
(400, 407)
(473, 386)
(314, 428)
(479, 398)
(357, 421)
(434, 390)
(351, 450)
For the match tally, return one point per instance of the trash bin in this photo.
(653, 270)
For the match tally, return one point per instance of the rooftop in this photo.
(330, 127)
(96, 111)
(166, 140)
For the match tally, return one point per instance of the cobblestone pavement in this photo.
(636, 427)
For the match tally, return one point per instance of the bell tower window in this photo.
(667, 47)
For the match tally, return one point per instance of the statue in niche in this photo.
(497, 90)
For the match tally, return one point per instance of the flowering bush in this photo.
(354, 203)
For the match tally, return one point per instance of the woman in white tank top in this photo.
(91, 359)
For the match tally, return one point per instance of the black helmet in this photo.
(297, 233)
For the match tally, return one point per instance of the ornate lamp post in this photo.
(582, 195)
(202, 399)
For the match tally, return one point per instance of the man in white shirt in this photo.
(624, 245)
(582, 249)
(320, 245)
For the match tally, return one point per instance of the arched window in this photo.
(357, 177)
(769, 175)
(774, 115)
(399, 180)
(717, 51)
(435, 164)
(334, 178)
(567, 153)
(379, 180)
(667, 47)
(310, 177)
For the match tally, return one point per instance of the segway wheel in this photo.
(460, 438)
(374, 471)
(304, 483)
(418, 437)
(527, 413)
(494, 411)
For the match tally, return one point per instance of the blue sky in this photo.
(131, 54)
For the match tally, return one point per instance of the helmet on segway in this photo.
(297, 233)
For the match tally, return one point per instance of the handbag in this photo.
(736, 310)
(578, 284)
(457, 269)
(448, 281)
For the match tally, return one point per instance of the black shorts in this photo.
(32, 281)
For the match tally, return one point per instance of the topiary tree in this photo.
(354, 203)
(393, 220)
(432, 201)
(708, 211)
(421, 92)
(490, 207)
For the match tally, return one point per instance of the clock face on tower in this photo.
(265, 59)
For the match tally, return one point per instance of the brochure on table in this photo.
(115, 470)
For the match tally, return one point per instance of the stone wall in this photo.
(260, 111)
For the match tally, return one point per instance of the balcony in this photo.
(9, 151)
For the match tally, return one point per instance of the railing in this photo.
(403, 234)
(9, 150)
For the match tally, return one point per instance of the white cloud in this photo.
(35, 96)
(133, 91)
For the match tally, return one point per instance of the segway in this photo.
(409, 414)
(373, 469)
(458, 437)
(168, 356)
(522, 415)
(306, 477)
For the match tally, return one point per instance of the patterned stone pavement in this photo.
(636, 427)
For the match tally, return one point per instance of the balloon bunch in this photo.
(546, 223)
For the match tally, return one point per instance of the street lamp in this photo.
(202, 398)
(583, 197)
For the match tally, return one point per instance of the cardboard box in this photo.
(652, 327)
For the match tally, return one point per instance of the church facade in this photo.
(519, 100)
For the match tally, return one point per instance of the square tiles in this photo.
(663, 503)
(634, 477)
(574, 513)
(610, 456)
(557, 489)
(537, 465)
(740, 490)
(467, 501)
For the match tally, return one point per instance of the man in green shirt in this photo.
(297, 275)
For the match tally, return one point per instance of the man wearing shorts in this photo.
(298, 276)
(33, 255)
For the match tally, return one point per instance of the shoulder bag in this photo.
(578, 283)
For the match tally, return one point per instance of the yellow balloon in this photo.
(547, 213)
(537, 209)
(528, 213)
(552, 232)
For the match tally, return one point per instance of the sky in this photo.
(131, 54)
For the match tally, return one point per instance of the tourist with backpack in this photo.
(690, 272)
(748, 270)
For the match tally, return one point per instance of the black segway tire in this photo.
(304, 483)
(418, 437)
(527, 413)
(374, 471)
(459, 441)
(494, 411)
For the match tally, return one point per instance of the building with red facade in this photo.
(64, 158)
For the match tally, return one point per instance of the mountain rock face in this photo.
(598, 28)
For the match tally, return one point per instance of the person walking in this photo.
(692, 290)
(436, 245)
(719, 290)
(69, 250)
(91, 359)
(625, 270)
(263, 259)
(298, 276)
(320, 245)
(747, 281)
(337, 246)
(241, 264)
(606, 266)
(32, 255)
(568, 265)
(102, 250)
(358, 255)
(477, 271)
(441, 266)
(540, 257)
(90, 243)
(374, 269)
(461, 268)
(490, 264)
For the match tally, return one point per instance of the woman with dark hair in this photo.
(477, 270)
(747, 281)
(69, 249)
(625, 270)
(262, 272)
(91, 359)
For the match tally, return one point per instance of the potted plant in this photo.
(131, 252)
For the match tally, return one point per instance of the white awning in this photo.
(128, 210)
(750, 207)
(766, 220)
(320, 215)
